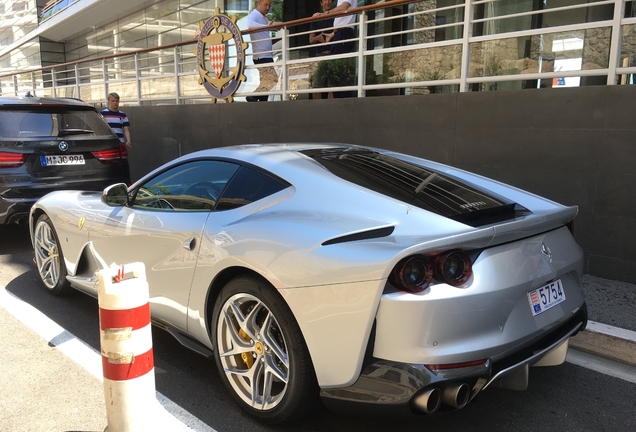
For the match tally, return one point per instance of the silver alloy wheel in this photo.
(253, 351)
(47, 257)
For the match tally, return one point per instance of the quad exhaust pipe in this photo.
(428, 401)
(455, 395)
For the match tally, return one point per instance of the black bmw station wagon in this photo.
(53, 144)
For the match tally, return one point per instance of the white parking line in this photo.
(175, 418)
(604, 366)
(605, 329)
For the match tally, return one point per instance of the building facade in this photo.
(437, 45)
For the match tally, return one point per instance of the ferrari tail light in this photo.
(12, 160)
(453, 267)
(415, 273)
(112, 155)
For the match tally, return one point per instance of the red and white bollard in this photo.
(126, 345)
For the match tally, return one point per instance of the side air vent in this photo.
(365, 235)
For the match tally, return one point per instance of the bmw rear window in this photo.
(421, 187)
(51, 122)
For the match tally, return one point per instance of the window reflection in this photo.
(431, 21)
(628, 52)
(550, 52)
(426, 64)
(193, 186)
(513, 15)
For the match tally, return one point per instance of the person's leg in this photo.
(345, 44)
(267, 80)
(336, 47)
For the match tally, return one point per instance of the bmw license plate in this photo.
(62, 160)
(546, 297)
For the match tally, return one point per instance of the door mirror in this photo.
(115, 195)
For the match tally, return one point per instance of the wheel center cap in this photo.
(258, 348)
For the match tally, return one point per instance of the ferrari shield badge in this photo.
(219, 38)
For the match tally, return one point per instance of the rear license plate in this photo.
(62, 160)
(546, 297)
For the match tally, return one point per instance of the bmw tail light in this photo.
(112, 155)
(12, 160)
(453, 267)
(415, 273)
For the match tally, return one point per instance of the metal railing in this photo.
(400, 48)
(52, 8)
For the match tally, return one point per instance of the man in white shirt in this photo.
(344, 30)
(262, 48)
(344, 36)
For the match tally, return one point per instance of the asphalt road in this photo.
(563, 398)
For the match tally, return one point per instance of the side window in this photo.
(248, 186)
(192, 186)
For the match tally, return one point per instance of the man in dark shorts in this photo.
(317, 35)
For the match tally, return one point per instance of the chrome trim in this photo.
(87, 285)
(534, 358)
(189, 244)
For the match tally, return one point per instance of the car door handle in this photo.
(189, 244)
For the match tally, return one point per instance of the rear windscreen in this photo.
(18, 124)
(415, 185)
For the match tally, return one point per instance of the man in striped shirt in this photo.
(116, 119)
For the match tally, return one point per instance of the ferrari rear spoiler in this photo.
(536, 223)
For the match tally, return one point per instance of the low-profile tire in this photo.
(48, 257)
(261, 354)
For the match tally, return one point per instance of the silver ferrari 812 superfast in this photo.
(361, 277)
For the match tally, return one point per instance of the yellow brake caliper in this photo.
(248, 357)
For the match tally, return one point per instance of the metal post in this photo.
(138, 76)
(362, 48)
(615, 41)
(53, 82)
(77, 82)
(176, 76)
(105, 76)
(468, 33)
(33, 83)
(284, 64)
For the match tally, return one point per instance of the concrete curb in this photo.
(605, 341)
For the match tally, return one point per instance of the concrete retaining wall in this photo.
(574, 146)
